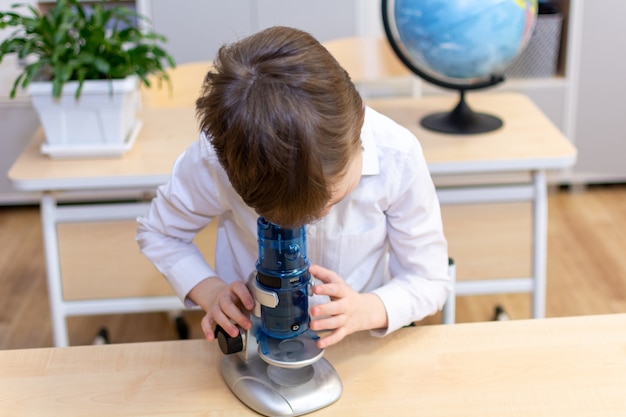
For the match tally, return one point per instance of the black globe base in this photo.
(461, 121)
(447, 123)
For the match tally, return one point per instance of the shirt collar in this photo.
(370, 151)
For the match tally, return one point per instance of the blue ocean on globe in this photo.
(464, 39)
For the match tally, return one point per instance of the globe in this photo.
(461, 45)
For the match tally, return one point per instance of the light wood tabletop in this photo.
(528, 140)
(165, 134)
(548, 367)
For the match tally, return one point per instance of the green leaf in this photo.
(16, 84)
(102, 65)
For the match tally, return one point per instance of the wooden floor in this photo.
(586, 268)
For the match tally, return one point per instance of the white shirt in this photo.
(385, 237)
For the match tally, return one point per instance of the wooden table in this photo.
(81, 280)
(528, 142)
(165, 134)
(547, 367)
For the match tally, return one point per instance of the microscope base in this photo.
(274, 391)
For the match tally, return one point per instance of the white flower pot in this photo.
(101, 123)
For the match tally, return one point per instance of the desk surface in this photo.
(549, 367)
(165, 134)
(528, 141)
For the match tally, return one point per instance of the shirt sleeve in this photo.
(181, 208)
(418, 252)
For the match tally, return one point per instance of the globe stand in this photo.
(462, 120)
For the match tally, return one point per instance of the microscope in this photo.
(276, 368)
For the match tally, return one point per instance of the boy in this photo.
(285, 135)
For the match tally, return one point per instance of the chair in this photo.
(373, 67)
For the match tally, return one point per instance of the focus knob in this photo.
(228, 344)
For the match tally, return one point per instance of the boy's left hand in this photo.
(347, 312)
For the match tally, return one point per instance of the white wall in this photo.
(369, 20)
(214, 23)
(17, 120)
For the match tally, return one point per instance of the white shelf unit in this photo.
(557, 96)
(598, 122)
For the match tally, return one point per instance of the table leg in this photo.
(540, 243)
(53, 271)
(535, 192)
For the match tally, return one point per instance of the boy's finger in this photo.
(243, 294)
(334, 337)
(323, 274)
(331, 290)
(234, 314)
(225, 323)
(327, 311)
(207, 328)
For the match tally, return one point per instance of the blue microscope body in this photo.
(278, 369)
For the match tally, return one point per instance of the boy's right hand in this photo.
(226, 305)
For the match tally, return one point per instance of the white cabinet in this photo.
(599, 117)
(586, 99)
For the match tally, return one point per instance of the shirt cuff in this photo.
(396, 310)
(406, 305)
(186, 274)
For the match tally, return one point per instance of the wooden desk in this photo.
(125, 282)
(528, 142)
(165, 134)
(548, 367)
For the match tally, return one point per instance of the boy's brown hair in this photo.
(285, 121)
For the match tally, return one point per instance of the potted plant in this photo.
(83, 65)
